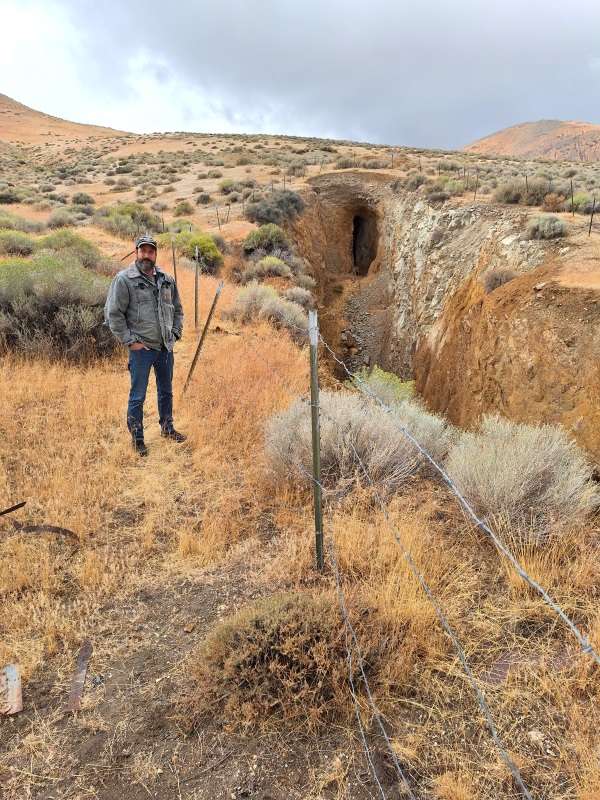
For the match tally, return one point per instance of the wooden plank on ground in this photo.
(11, 696)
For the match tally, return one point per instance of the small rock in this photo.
(538, 287)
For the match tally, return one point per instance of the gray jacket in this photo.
(139, 310)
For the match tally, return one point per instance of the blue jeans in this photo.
(140, 364)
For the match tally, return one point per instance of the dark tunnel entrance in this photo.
(364, 241)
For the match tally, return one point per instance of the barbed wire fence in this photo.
(354, 653)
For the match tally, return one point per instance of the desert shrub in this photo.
(183, 208)
(68, 243)
(437, 196)
(512, 192)
(51, 305)
(214, 173)
(61, 218)
(267, 237)
(203, 199)
(280, 659)
(276, 207)
(8, 196)
(413, 182)
(226, 186)
(343, 162)
(494, 278)
(82, 199)
(296, 294)
(536, 190)
(353, 430)
(386, 385)
(267, 267)
(305, 281)
(285, 314)
(454, 188)
(262, 302)
(580, 199)
(186, 243)
(250, 301)
(16, 243)
(530, 478)
(13, 222)
(546, 227)
(553, 202)
(127, 219)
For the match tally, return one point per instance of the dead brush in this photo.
(281, 660)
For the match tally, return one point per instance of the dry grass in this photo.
(64, 449)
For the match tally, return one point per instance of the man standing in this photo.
(144, 312)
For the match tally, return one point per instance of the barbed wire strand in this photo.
(583, 640)
(443, 620)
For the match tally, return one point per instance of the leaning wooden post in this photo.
(202, 338)
(572, 199)
(476, 186)
(592, 217)
(196, 289)
(313, 333)
(174, 261)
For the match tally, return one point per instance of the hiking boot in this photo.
(173, 435)
(139, 446)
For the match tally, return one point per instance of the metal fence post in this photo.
(313, 332)
(196, 290)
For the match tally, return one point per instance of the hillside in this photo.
(20, 124)
(221, 664)
(553, 139)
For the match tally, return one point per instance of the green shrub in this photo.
(16, 243)
(546, 227)
(386, 385)
(183, 208)
(267, 267)
(305, 281)
(214, 173)
(276, 207)
(529, 478)
(203, 199)
(61, 218)
(127, 219)
(186, 243)
(82, 199)
(68, 243)
(510, 193)
(10, 221)
(53, 306)
(267, 237)
(8, 196)
(580, 200)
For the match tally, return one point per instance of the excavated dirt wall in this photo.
(406, 293)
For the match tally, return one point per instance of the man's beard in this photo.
(146, 264)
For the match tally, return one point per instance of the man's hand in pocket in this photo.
(138, 346)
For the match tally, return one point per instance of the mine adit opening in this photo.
(364, 241)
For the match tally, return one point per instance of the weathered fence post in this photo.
(313, 332)
(174, 261)
(592, 217)
(572, 199)
(202, 337)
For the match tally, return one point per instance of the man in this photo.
(144, 312)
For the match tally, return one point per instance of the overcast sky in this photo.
(432, 74)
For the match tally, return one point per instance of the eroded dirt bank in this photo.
(400, 284)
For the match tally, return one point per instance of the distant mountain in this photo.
(20, 124)
(547, 138)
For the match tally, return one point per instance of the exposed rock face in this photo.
(410, 298)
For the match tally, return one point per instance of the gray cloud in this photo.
(436, 74)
